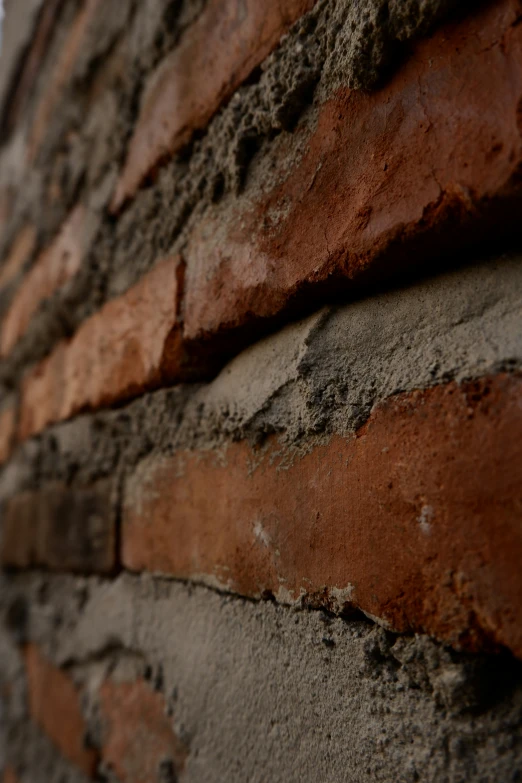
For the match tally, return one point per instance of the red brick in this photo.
(51, 270)
(62, 528)
(416, 518)
(138, 734)
(425, 165)
(129, 346)
(41, 393)
(6, 206)
(7, 431)
(19, 253)
(10, 775)
(61, 72)
(54, 704)
(214, 56)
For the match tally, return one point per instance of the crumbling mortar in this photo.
(343, 47)
(314, 384)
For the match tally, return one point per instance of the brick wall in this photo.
(260, 383)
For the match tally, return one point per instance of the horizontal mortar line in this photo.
(188, 582)
(508, 366)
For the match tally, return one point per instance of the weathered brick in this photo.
(401, 176)
(41, 393)
(129, 346)
(10, 775)
(51, 270)
(20, 251)
(7, 430)
(215, 55)
(60, 74)
(62, 528)
(54, 705)
(6, 205)
(139, 739)
(416, 519)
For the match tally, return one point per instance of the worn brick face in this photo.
(214, 56)
(51, 270)
(10, 775)
(407, 520)
(54, 704)
(19, 253)
(409, 172)
(138, 739)
(62, 528)
(129, 346)
(7, 431)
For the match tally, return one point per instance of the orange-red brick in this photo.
(416, 519)
(129, 346)
(138, 735)
(62, 528)
(19, 253)
(54, 704)
(214, 56)
(399, 176)
(51, 270)
(7, 431)
(10, 776)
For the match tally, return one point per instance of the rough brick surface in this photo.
(7, 431)
(51, 270)
(407, 520)
(60, 528)
(10, 776)
(380, 178)
(185, 568)
(139, 741)
(20, 251)
(216, 54)
(385, 180)
(54, 704)
(129, 346)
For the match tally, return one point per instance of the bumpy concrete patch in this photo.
(257, 691)
(318, 377)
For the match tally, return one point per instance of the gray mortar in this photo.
(314, 378)
(338, 43)
(17, 31)
(259, 692)
(82, 149)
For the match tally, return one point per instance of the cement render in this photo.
(325, 374)
(16, 33)
(316, 377)
(260, 692)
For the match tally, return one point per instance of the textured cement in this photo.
(259, 692)
(314, 378)
(15, 35)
